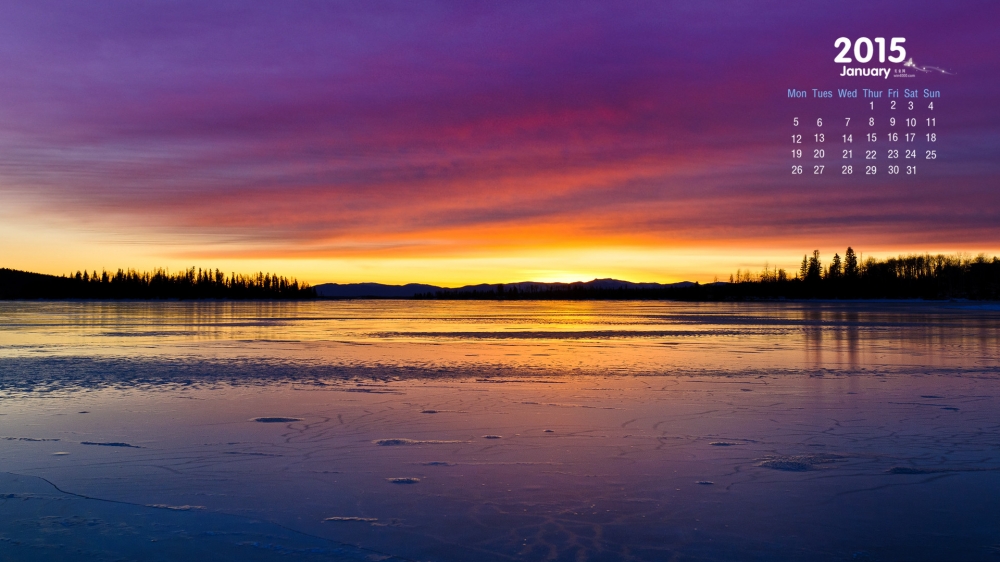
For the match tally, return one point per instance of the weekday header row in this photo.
(866, 93)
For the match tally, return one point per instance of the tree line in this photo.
(923, 276)
(192, 283)
(851, 277)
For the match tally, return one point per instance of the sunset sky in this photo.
(466, 142)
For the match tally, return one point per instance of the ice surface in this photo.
(868, 431)
(41, 522)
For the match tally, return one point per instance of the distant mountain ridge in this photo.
(379, 290)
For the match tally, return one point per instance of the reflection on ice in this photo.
(797, 463)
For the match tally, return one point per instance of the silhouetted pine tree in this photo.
(814, 272)
(834, 271)
(850, 263)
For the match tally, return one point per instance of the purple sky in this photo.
(369, 132)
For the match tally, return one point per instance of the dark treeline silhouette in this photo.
(904, 277)
(159, 284)
(930, 277)
(914, 276)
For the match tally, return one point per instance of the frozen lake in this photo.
(401, 430)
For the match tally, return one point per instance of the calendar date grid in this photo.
(897, 137)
